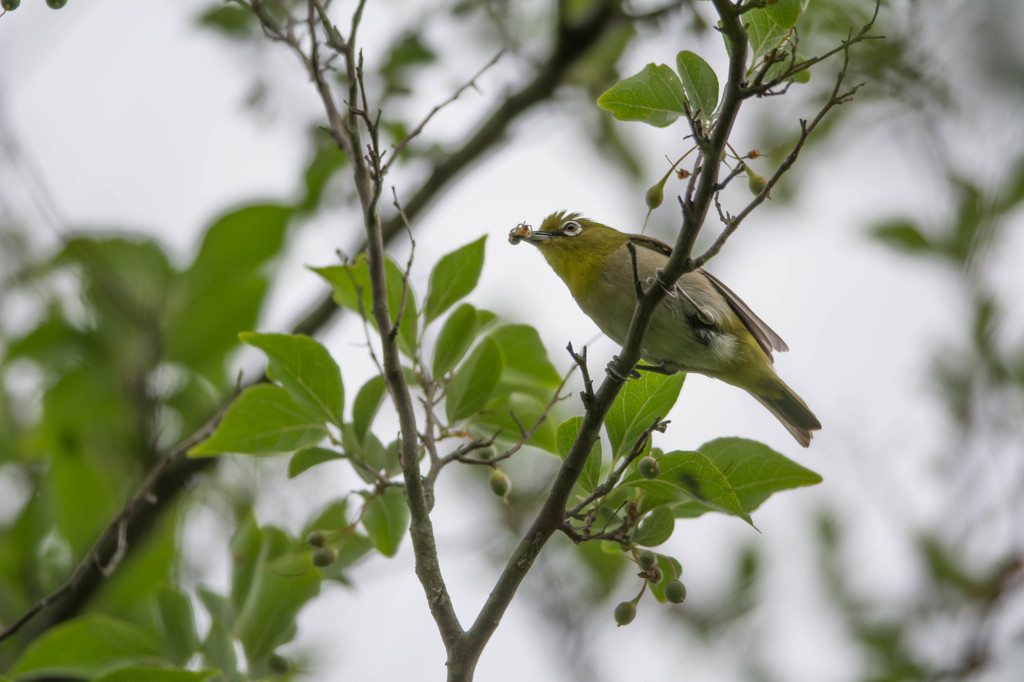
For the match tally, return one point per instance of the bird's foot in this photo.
(616, 374)
(667, 370)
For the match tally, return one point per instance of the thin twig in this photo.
(471, 83)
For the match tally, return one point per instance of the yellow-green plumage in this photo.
(701, 326)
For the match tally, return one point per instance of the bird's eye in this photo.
(571, 228)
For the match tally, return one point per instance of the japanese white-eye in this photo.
(700, 326)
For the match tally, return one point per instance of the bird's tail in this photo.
(791, 410)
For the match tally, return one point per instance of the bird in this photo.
(699, 326)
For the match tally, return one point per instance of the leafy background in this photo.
(887, 261)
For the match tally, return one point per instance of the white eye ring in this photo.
(571, 228)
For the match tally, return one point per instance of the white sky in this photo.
(136, 121)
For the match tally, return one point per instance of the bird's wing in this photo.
(765, 336)
(762, 333)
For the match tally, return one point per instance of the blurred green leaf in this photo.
(405, 53)
(638, 404)
(176, 625)
(474, 381)
(526, 364)
(135, 674)
(565, 436)
(455, 338)
(280, 588)
(246, 546)
(699, 83)
(307, 458)
(306, 370)
(368, 401)
(219, 607)
(527, 409)
(901, 235)
(386, 520)
(453, 278)
(263, 420)
(222, 292)
(327, 160)
(231, 20)
(87, 646)
(654, 96)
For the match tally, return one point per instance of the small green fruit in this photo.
(625, 613)
(647, 559)
(8, 5)
(488, 452)
(648, 467)
(656, 195)
(655, 575)
(756, 183)
(500, 485)
(56, 4)
(675, 591)
(324, 557)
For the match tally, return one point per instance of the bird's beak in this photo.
(523, 231)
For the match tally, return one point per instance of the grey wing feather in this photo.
(766, 338)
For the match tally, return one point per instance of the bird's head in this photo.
(576, 248)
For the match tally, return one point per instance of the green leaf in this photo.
(455, 338)
(526, 359)
(352, 290)
(654, 96)
(219, 650)
(246, 546)
(785, 12)
(279, 591)
(87, 646)
(699, 83)
(453, 278)
(405, 53)
(690, 476)
(368, 401)
(327, 160)
(902, 235)
(655, 528)
(565, 436)
(386, 520)
(217, 605)
(231, 20)
(763, 33)
(221, 293)
(307, 458)
(474, 381)
(305, 369)
(156, 675)
(638, 404)
(755, 471)
(176, 625)
(263, 420)
(527, 409)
